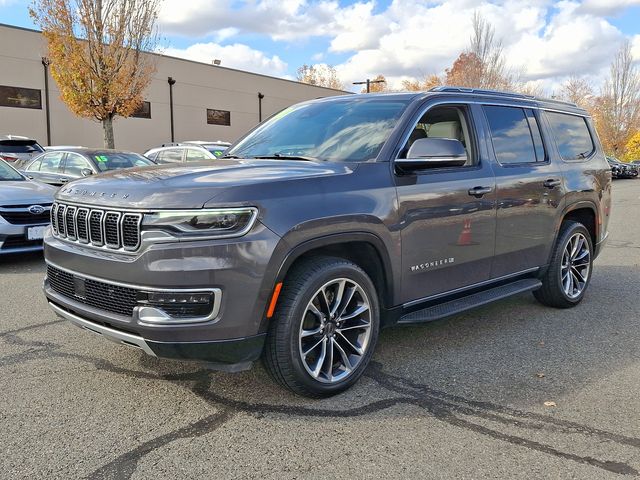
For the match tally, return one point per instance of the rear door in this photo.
(447, 215)
(530, 189)
(49, 169)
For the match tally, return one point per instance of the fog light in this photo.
(176, 307)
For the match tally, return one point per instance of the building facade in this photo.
(208, 102)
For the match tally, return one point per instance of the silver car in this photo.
(179, 153)
(25, 207)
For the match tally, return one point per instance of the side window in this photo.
(515, 135)
(34, 166)
(170, 155)
(572, 135)
(51, 162)
(444, 122)
(75, 164)
(195, 155)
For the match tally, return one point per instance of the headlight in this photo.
(205, 223)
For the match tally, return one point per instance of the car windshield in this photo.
(115, 160)
(353, 129)
(9, 174)
(19, 146)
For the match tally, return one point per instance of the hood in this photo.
(188, 186)
(25, 192)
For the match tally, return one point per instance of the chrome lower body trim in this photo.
(111, 334)
(470, 287)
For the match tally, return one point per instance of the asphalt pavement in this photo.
(459, 398)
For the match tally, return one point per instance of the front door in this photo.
(447, 222)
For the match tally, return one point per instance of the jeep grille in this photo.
(106, 229)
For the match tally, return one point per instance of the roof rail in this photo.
(498, 93)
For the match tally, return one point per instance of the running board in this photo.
(459, 305)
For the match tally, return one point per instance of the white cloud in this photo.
(234, 56)
(545, 40)
(607, 7)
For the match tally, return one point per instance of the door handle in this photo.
(63, 179)
(552, 183)
(480, 191)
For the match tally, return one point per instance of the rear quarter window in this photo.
(572, 135)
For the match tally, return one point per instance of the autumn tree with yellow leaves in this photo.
(96, 49)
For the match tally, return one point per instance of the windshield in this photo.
(353, 129)
(113, 161)
(8, 174)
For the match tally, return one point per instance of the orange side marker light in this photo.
(274, 300)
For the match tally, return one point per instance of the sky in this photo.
(546, 41)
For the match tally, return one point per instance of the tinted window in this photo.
(115, 160)
(8, 174)
(20, 146)
(511, 135)
(195, 155)
(51, 162)
(572, 135)
(171, 155)
(75, 164)
(349, 129)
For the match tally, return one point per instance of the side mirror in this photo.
(85, 172)
(433, 153)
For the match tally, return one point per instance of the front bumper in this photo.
(239, 351)
(13, 239)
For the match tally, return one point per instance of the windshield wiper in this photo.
(229, 156)
(280, 156)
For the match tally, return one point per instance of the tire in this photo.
(296, 327)
(558, 290)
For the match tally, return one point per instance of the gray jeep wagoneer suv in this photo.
(330, 220)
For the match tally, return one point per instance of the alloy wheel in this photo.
(335, 330)
(576, 266)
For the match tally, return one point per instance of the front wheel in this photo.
(325, 327)
(569, 273)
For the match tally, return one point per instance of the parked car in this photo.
(622, 170)
(18, 150)
(179, 153)
(61, 166)
(25, 208)
(331, 220)
(217, 148)
(61, 147)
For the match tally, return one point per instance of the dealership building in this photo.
(186, 100)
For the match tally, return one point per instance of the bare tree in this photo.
(321, 75)
(579, 91)
(96, 50)
(617, 109)
(493, 72)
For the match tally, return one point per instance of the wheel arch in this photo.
(365, 249)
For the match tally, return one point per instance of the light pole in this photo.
(45, 64)
(171, 81)
(368, 83)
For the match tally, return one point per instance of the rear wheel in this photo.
(325, 327)
(569, 272)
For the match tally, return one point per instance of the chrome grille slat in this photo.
(62, 231)
(82, 226)
(98, 228)
(54, 222)
(70, 222)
